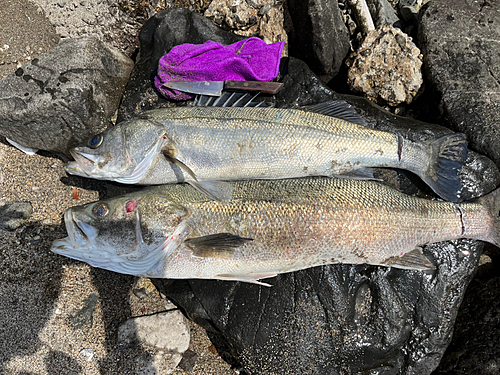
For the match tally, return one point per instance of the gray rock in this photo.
(382, 12)
(262, 18)
(188, 360)
(387, 67)
(13, 215)
(166, 331)
(64, 96)
(410, 9)
(320, 37)
(460, 42)
(166, 334)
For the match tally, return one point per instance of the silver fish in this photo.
(204, 146)
(268, 228)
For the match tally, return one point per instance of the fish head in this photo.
(128, 234)
(123, 153)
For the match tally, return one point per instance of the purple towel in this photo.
(248, 60)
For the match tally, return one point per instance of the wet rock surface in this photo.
(326, 43)
(460, 44)
(63, 97)
(476, 340)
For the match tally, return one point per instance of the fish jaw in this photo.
(80, 243)
(83, 165)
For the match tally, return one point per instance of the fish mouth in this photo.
(83, 165)
(80, 238)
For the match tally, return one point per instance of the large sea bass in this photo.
(269, 227)
(206, 145)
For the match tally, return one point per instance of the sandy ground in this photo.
(59, 316)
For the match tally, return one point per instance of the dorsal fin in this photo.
(338, 109)
(231, 99)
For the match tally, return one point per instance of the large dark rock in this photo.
(460, 44)
(319, 36)
(475, 347)
(158, 36)
(63, 97)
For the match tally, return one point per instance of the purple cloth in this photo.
(248, 60)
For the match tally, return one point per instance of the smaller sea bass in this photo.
(269, 227)
(204, 146)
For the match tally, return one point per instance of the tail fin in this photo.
(448, 154)
(491, 202)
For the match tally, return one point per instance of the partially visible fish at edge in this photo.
(205, 146)
(268, 228)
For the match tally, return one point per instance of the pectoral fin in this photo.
(248, 278)
(216, 190)
(220, 245)
(180, 164)
(414, 260)
(26, 150)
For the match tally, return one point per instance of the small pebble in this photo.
(87, 353)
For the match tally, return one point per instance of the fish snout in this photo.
(68, 244)
(84, 163)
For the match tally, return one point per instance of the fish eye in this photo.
(96, 141)
(100, 210)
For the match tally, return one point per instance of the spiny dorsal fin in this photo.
(231, 99)
(220, 245)
(365, 173)
(338, 109)
(414, 260)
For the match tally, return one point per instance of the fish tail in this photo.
(491, 202)
(447, 156)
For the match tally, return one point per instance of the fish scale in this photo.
(272, 227)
